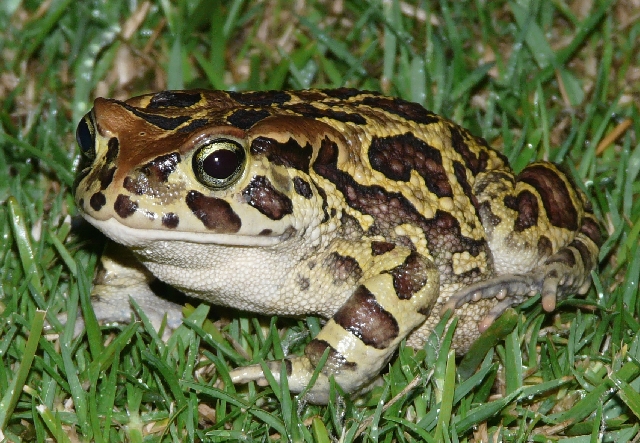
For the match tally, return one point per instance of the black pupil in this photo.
(221, 164)
(83, 136)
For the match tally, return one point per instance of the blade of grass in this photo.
(10, 398)
(23, 241)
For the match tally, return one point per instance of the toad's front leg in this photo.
(363, 334)
(120, 277)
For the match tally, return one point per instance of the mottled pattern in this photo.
(476, 163)
(397, 156)
(390, 210)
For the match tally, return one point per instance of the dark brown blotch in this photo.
(460, 140)
(585, 254)
(214, 213)
(289, 154)
(113, 148)
(344, 268)
(381, 247)
(365, 318)
(591, 229)
(161, 121)
(325, 206)
(345, 93)
(261, 194)
(246, 118)
(310, 111)
(303, 283)
(545, 247)
(489, 219)
(194, 125)
(159, 169)
(526, 205)
(260, 98)
(336, 362)
(170, 220)
(396, 156)
(97, 201)
(410, 277)
(177, 99)
(407, 110)
(302, 187)
(564, 256)
(124, 206)
(555, 195)
(106, 176)
(152, 175)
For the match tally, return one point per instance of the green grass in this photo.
(537, 79)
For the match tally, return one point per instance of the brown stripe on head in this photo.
(178, 99)
(365, 318)
(144, 140)
(150, 131)
(556, 197)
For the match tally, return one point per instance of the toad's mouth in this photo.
(139, 237)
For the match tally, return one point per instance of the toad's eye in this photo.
(219, 163)
(85, 134)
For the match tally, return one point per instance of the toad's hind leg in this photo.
(542, 235)
(363, 334)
